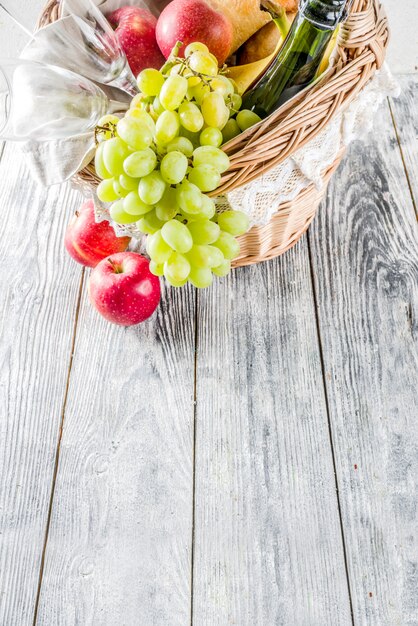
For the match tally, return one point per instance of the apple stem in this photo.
(117, 269)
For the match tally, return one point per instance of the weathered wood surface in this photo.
(268, 544)
(405, 116)
(365, 263)
(236, 502)
(39, 290)
(120, 542)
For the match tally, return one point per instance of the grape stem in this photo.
(171, 59)
(109, 127)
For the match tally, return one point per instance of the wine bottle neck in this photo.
(325, 13)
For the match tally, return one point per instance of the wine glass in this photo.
(103, 47)
(83, 42)
(42, 102)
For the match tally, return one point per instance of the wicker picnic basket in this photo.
(360, 51)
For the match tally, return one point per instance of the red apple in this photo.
(123, 289)
(88, 242)
(135, 30)
(194, 20)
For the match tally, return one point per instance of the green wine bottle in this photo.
(300, 56)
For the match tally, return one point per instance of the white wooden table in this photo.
(247, 457)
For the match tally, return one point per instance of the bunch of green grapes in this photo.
(159, 162)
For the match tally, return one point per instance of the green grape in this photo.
(167, 208)
(206, 177)
(161, 148)
(246, 119)
(208, 208)
(222, 85)
(99, 165)
(173, 92)
(176, 283)
(142, 116)
(197, 46)
(151, 188)
(228, 245)
(150, 82)
(189, 198)
(106, 192)
(134, 205)
(181, 144)
(181, 69)
(118, 214)
(156, 269)
(205, 256)
(107, 121)
(192, 81)
(157, 106)
(158, 249)
(235, 223)
(236, 103)
(204, 232)
(203, 63)
(137, 101)
(190, 117)
(119, 190)
(177, 236)
(201, 277)
(177, 268)
(192, 137)
(214, 110)
(128, 183)
(174, 167)
(150, 223)
(230, 130)
(140, 163)
(206, 155)
(115, 151)
(167, 127)
(136, 134)
(199, 91)
(211, 137)
(223, 269)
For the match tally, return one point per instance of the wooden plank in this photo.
(39, 288)
(405, 116)
(119, 549)
(365, 261)
(403, 50)
(268, 545)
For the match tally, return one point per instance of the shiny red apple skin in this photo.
(123, 290)
(135, 30)
(88, 242)
(194, 20)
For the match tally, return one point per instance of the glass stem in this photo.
(126, 82)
